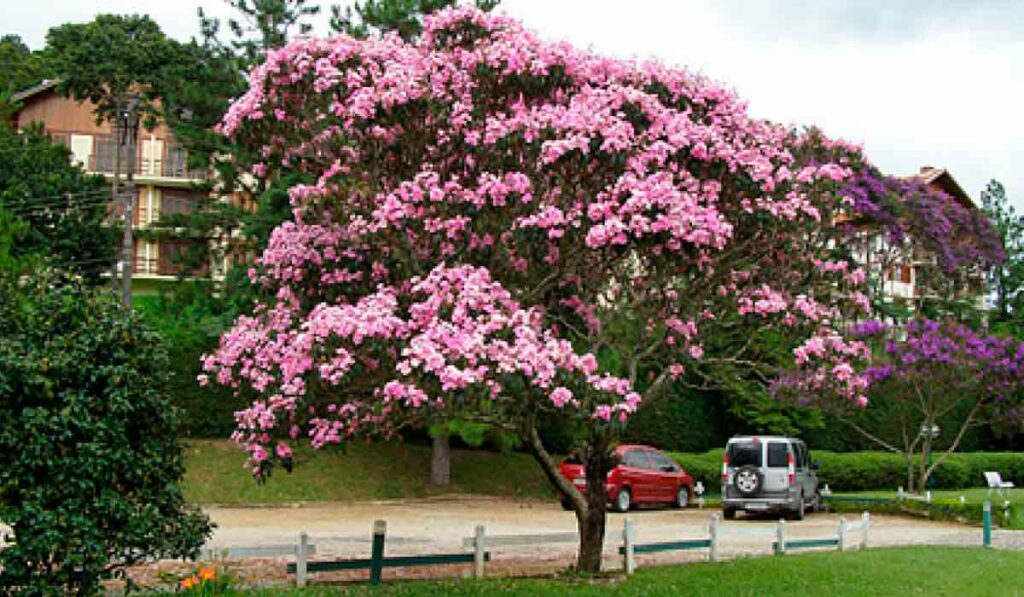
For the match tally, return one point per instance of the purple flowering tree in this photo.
(928, 370)
(889, 222)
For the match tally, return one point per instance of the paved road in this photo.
(439, 525)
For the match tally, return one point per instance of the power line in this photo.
(63, 196)
(57, 206)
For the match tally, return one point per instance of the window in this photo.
(180, 257)
(636, 459)
(777, 452)
(801, 455)
(659, 460)
(105, 155)
(177, 202)
(745, 454)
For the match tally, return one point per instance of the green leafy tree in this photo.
(12, 232)
(20, 67)
(90, 463)
(63, 208)
(263, 24)
(404, 17)
(1006, 281)
(109, 57)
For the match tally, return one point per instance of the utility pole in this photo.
(131, 125)
(114, 198)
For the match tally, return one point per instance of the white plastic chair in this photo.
(996, 483)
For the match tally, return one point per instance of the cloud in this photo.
(934, 82)
(874, 21)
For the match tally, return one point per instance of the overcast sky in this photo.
(918, 82)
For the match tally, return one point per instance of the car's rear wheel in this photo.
(566, 503)
(623, 500)
(729, 513)
(682, 497)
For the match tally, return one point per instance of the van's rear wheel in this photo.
(800, 510)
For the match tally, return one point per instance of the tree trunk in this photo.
(441, 461)
(591, 522)
(923, 470)
(590, 508)
(909, 459)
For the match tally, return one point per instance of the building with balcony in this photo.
(164, 185)
(900, 268)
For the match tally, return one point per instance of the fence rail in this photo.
(481, 542)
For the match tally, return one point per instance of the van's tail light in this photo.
(725, 468)
(791, 465)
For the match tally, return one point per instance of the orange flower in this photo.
(207, 573)
(188, 583)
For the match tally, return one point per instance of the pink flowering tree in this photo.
(503, 228)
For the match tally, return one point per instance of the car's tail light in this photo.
(791, 465)
(725, 468)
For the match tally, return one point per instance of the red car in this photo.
(644, 476)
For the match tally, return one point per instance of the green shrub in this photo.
(89, 455)
(869, 471)
(860, 471)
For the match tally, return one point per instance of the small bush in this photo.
(89, 457)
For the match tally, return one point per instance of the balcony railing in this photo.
(172, 163)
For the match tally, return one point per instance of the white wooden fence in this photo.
(481, 543)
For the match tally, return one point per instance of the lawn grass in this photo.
(894, 571)
(214, 474)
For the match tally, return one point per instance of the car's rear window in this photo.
(744, 454)
(777, 452)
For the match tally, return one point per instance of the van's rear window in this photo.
(744, 454)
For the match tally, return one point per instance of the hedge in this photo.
(867, 471)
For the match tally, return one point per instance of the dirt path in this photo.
(439, 526)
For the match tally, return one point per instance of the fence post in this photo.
(865, 523)
(986, 530)
(629, 560)
(478, 552)
(301, 556)
(780, 548)
(899, 493)
(380, 527)
(842, 533)
(928, 496)
(713, 535)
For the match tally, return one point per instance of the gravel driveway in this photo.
(439, 525)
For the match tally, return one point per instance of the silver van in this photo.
(769, 474)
